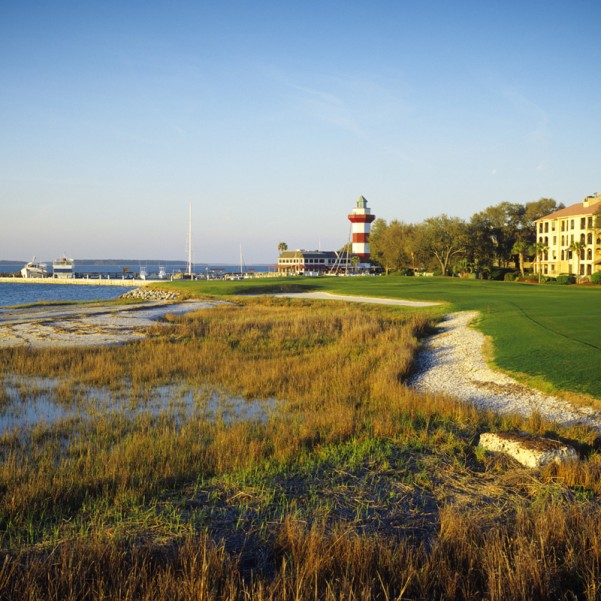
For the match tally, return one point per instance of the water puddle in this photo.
(28, 402)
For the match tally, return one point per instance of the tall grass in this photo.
(355, 487)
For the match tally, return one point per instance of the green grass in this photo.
(549, 335)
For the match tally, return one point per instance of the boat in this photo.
(33, 269)
(62, 268)
(162, 273)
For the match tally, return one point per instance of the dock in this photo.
(79, 281)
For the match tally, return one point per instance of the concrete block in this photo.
(529, 450)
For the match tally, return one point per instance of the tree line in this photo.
(499, 237)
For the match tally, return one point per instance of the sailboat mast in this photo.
(241, 261)
(189, 267)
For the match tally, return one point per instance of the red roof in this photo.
(572, 211)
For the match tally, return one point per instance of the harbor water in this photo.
(24, 294)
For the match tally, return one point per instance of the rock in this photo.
(529, 450)
(151, 294)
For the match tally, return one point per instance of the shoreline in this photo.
(84, 325)
(79, 281)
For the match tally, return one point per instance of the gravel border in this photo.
(452, 363)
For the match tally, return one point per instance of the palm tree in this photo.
(282, 247)
(538, 249)
(520, 248)
(578, 248)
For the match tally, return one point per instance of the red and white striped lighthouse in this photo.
(361, 219)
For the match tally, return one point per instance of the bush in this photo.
(509, 277)
(566, 278)
(498, 273)
(596, 278)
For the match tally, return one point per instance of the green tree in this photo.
(444, 238)
(282, 247)
(390, 244)
(540, 208)
(521, 248)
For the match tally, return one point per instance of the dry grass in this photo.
(354, 487)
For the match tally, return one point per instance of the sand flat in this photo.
(81, 325)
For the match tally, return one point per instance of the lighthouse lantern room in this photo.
(361, 219)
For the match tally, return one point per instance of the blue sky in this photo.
(271, 118)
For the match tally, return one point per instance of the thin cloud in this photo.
(328, 107)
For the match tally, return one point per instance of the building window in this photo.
(546, 226)
(563, 226)
(590, 222)
(588, 270)
(553, 226)
(552, 267)
(582, 223)
(554, 240)
(589, 238)
(589, 254)
(571, 224)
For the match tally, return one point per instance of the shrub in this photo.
(510, 276)
(566, 278)
(596, 278)
(499, 273)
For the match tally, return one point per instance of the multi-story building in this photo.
(570, 240)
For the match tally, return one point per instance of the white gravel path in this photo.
(357, 299)
(452, 363)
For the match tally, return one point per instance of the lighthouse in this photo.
(361, 218)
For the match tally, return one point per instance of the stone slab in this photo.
(529, 450)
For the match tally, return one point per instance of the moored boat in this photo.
(33, 269)
(63, 268)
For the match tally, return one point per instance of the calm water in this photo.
(23, 294)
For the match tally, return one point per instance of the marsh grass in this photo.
(353, 487)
